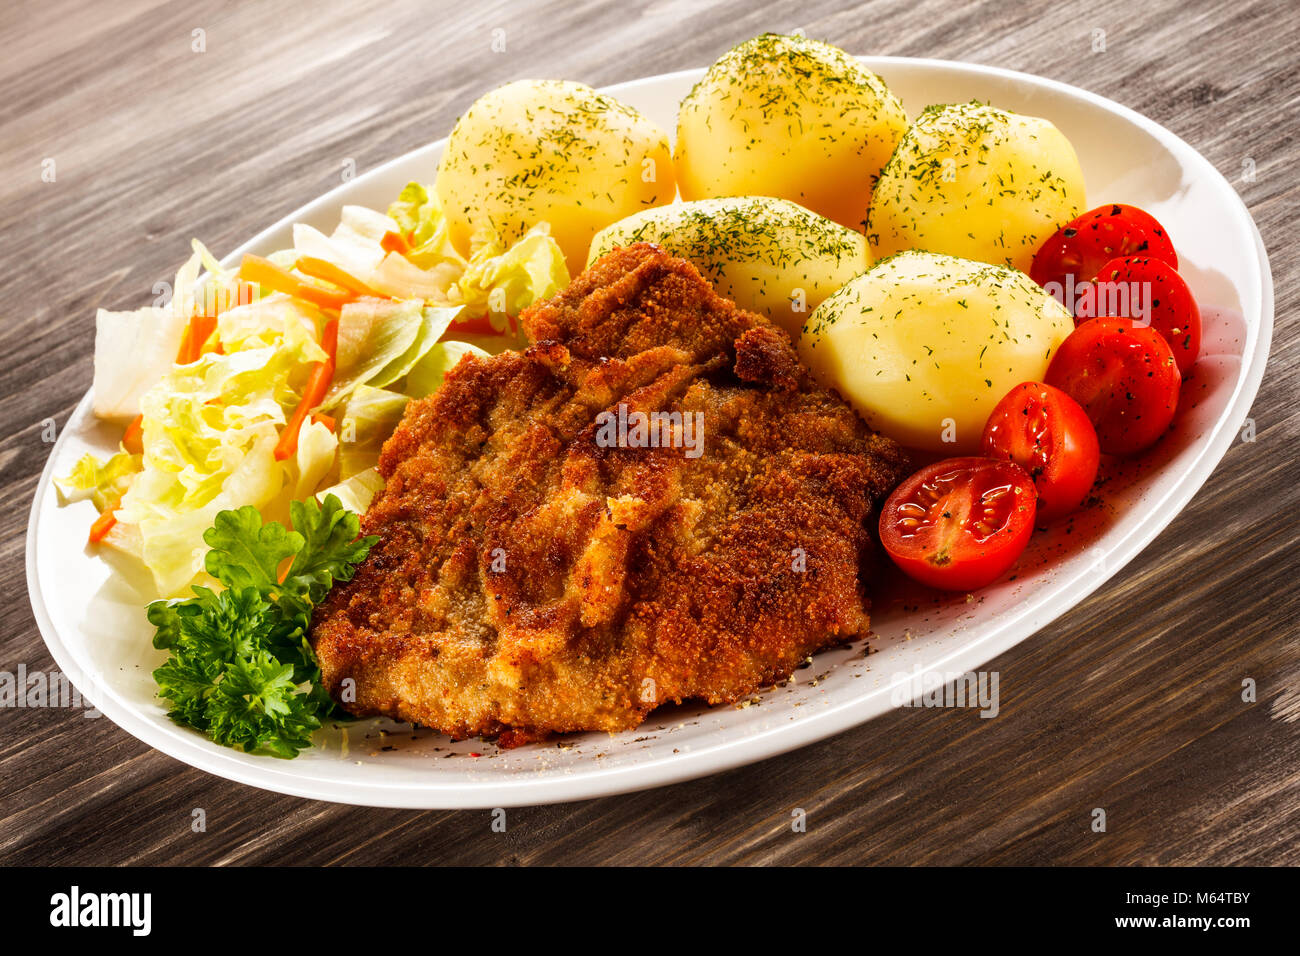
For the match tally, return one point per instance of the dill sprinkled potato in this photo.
(789, 117)
(550, 151)
(924, 345)
(767, 255)
(974, 181)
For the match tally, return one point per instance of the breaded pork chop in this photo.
(529, 579)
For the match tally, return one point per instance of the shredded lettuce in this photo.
(209, 434)
(496, 280)
(356, 492)
(419, 215)
(101, 482)
(317, 446)
(355, 250)
(434, 323)
(209, 429)
(397, 276)
(426, 377)
(134, 349)
(500, 281)
(372, 335)
(367, 420)
(269, 322)
(380, 342)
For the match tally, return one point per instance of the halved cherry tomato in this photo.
(1127, 286)
(1048, 434)
(1082, 246)
(1125, 377)
(960, 523)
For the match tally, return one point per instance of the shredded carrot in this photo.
(323, 269)
(186, 346)
(395, 242)
(203, 324)
(264, 272)
(133, 437)
(322, 419)
(197, 334)
(318, 385)
(104, 523)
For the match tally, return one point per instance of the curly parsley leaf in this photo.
(247, 553)
(241, 668)
(331, 551)
(258, 707)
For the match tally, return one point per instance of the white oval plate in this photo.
(91, 614)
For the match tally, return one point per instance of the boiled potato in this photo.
(549, 151)
(789, 117)
(924, 345)
(973, 181)
(767, 255)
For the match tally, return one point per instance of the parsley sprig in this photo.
(241, 668)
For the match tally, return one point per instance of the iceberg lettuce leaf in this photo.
(426, 377)
(101, 482)
(133, 350)
(434, 322)
(356, 492)
(209, 431)
(372, 334)
(369, 417)
(500, 282)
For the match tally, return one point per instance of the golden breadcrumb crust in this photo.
(529, 580)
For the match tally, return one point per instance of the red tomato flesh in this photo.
(960, 523)
(1154, 287)
(1078, 250)
(1048, 434)
(1125, 377)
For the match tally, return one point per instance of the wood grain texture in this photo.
(1131, 702)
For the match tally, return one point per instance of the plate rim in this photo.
(728, 751)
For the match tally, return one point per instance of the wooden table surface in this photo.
(1131, 702)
